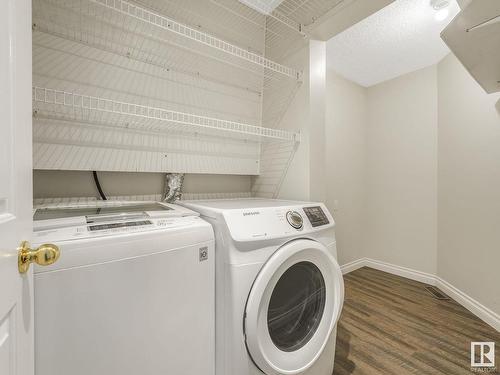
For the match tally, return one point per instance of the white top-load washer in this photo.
(132, 292)
(279, 288)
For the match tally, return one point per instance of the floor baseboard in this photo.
(481, 311)
(475, 307)
(409, 273)
(353, 266)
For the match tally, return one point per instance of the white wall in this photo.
(296, 181)
(317, 108)
(346, 122)
(382, 169)
(414, 165)
(62, 184)
(468, 185)
(305, 179)
(306, 176)
(401, 178)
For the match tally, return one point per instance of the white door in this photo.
(16, 290)
(292, 308)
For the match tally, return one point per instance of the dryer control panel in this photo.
(316, 216)
(275, 222)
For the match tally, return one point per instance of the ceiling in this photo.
(262, 6)
(400, 38)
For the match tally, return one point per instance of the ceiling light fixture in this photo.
(442, 14)
(441, 8)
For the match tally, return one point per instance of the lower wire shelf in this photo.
(69, 106)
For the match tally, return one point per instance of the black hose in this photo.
(98, 186)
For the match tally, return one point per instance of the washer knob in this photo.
(294, 219)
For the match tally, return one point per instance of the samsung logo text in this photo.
(251, 213)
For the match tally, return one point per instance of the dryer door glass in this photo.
(296, 306)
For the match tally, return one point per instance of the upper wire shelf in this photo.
(94, 18)
(62, 105)
(164, 23)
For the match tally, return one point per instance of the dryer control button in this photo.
(294, 219)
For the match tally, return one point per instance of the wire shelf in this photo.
(68, 145)
(73, 67)
(58, 104)
(167, 24)
(92, 20)
(275, 160)
(229, 20)
(140, 35)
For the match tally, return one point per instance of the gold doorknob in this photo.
(44, 255)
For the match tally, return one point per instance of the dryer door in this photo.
(292, 307)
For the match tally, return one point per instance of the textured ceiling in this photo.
(400, 38)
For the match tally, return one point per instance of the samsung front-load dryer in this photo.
(132, 292)
(279, 288)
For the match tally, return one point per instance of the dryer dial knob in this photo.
(294, 219)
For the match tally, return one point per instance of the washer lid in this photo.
(97, 209)
(293, 307)
(62, 215)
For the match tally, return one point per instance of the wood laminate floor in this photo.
(393, 326)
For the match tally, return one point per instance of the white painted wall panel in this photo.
(72, 157)
(401, 182)
(468, 185)
(346, 128)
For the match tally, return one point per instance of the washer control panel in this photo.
(123, 224)
(294, 219)
(83, 230)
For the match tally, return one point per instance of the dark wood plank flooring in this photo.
(392, 325)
